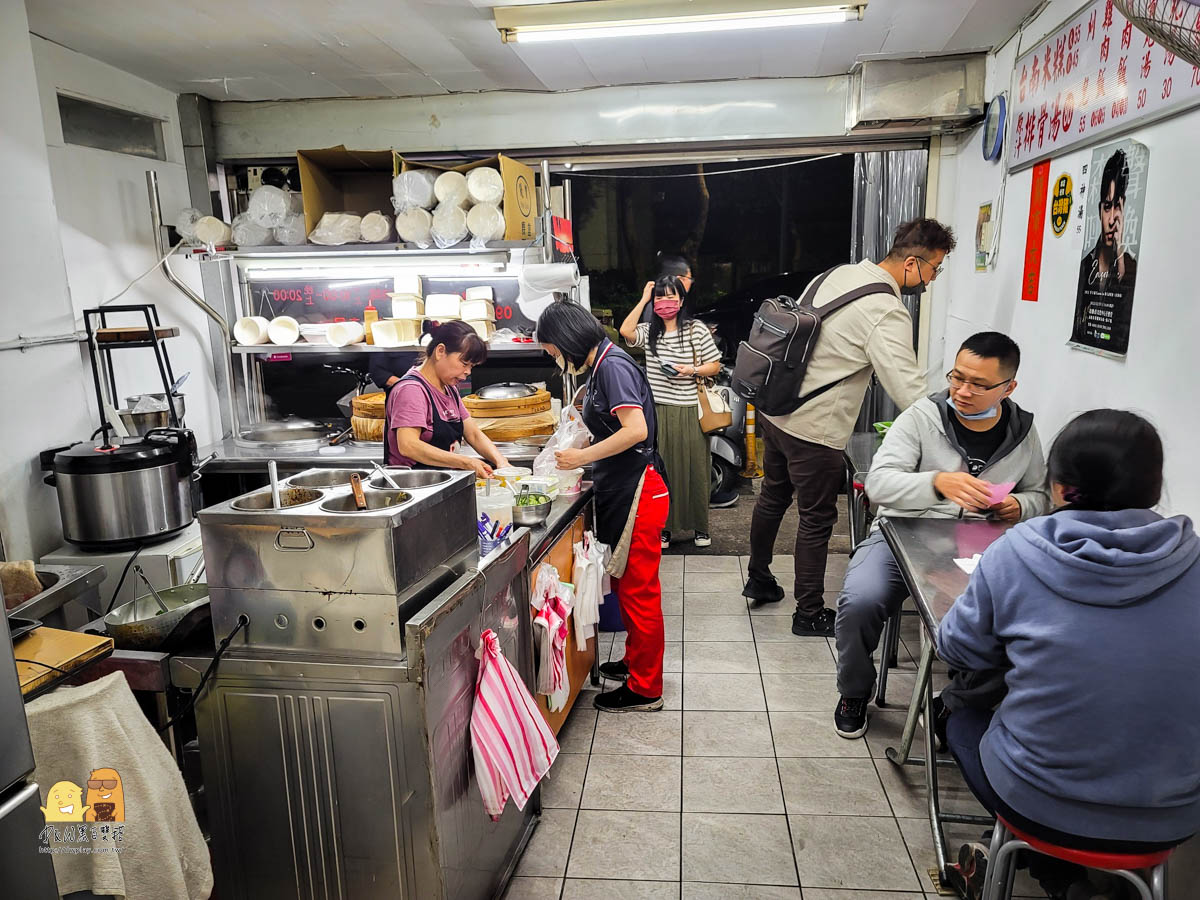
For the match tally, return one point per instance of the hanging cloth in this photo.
(588, 574)
(511, 743)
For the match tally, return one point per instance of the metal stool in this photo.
(1006, 841)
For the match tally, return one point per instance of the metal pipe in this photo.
(547, 215)
(24, 343)
(222, 325)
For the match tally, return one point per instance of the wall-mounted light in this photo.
(591, 19)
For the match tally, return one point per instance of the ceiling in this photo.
(294, 49)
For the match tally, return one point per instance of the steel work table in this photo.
(925, 550)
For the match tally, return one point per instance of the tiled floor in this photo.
(739, 789)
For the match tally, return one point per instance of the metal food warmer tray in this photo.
(335, 735)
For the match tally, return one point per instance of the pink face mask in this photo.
(666, 308)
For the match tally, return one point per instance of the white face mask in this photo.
(569, 368)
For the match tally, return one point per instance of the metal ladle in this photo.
(273, 471)
(386, 477)
(137, 570)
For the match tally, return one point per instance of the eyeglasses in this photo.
(957, 382)
(937, 270)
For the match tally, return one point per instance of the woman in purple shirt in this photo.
(426, 419)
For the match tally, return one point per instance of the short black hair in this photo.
(1116, 172)
(1108, 459)
(570, 328)
(919, 236)
(669, 264)
(994, 345)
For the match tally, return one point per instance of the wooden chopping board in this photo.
(121, 335)
(67, 650)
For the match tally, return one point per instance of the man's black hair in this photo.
(997, 346)
(921, 236)
(1116, 172)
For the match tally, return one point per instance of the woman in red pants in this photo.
(632, 500)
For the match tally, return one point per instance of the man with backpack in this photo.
(809, 387)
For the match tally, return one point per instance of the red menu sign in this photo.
(1036, 235)
(1096, 74)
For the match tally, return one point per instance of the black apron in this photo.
(615, 479)
(445, 434)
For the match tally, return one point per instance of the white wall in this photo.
(104, 222)
(1159, 374)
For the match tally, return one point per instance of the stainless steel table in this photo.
(925, 550)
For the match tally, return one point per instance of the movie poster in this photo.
(1112, 207)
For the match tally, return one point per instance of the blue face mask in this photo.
(973, 417)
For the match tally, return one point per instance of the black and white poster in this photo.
(1112, 207)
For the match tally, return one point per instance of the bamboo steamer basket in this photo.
(368, 429)
(500, 409)
(510, 428)
(370, 406)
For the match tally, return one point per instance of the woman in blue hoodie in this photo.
(1094, 610)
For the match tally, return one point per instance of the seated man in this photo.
(940, 459)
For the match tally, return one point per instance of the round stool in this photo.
(1006, 841)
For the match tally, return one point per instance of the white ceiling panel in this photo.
(287, 49)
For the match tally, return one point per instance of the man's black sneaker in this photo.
(941, 715)
(969, 876)
(820, 625)
(763, 591)
(617, 670)
(625, 700)
(850, 717)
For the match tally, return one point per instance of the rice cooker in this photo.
(126, 492)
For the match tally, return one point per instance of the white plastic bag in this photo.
(449, 225)
(337, 228)
(572, 434)
(268, 205)
(291, 229)
(248, 233)
(375, 227)
(414, 189)
(185, 223)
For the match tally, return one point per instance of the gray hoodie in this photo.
(1098, 615)
(921, 443)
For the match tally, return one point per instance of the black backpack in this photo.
(771, 364)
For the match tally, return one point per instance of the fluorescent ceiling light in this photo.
(591, 19)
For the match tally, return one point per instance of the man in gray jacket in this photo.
(942, 458)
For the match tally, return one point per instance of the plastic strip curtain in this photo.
(889, 188)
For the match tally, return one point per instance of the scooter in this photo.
(727, 447)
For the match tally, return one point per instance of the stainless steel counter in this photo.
(63, 584)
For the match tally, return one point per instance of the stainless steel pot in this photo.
(137, 491)
(176, 401)
(506, 390)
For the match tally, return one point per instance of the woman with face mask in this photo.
(631, 495)
(679, 350)
(426, 419)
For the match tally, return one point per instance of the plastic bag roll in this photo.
(414, 188)
(539, 281)
(451, 189)
(449, 225)
(185, 223)
(486, 222)
(413, 226)
(268, 206)
(484, 185)
(248, 233)
(337, 228)
(291, 229)
(375, 227)
(211, 230)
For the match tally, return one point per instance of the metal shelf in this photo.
(367, 250)
(311, 349)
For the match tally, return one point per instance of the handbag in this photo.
(711, 407)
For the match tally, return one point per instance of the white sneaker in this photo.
(703, 540)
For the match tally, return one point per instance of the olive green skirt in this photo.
(684, 449)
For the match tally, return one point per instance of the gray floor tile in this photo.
(672, 628)
(720, 657)
(905, 787)
(525, 888)
(672, 603)
(713, 582)
(693, 890)
(670, 581)
(884, 727)
(726, 734)
(672, 691)
(642, 783)
(563, 786)
(672, 564)
(828, 894)
(796, 657)
(546, 853)
(597, 889)
(800, 693)
(722, 604)
(576, 734)
(812, 734)
(639, 733)
(832, 787)
(673, 656)
(608, 843)
(919, 838)
(605, 643)
(716, 628)
(775, 628)
(712, 564)
(856, 852)
(732, 693)
(737, 849)
(729, 785)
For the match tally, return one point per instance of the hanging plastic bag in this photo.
(572, 434)
(337, 228)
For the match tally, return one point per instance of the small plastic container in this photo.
(493, 511)
(568, 480)
(510, 475)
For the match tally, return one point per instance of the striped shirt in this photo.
(511, 743)
(691, 345)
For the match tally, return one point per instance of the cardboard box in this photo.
(339, 180)
(520, 196)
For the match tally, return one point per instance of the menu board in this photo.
(1095, 75)
(320, 299)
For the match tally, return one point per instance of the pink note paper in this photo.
(1000, 491)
